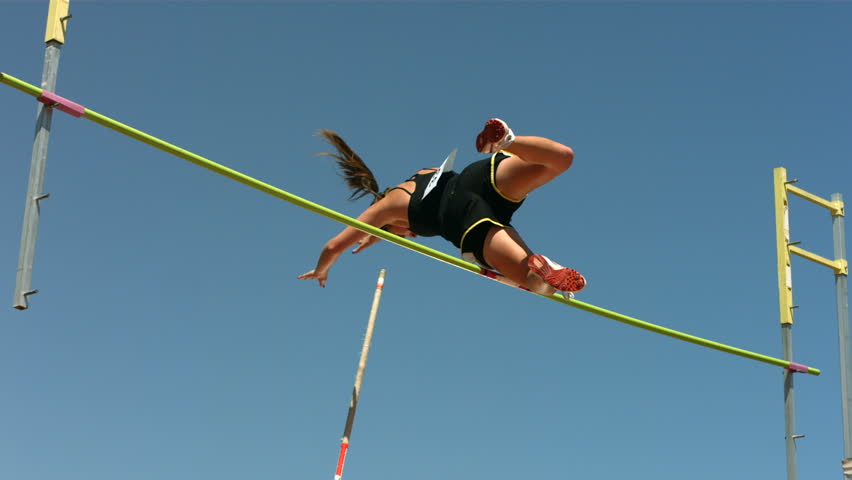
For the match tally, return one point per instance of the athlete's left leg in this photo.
(535, 161)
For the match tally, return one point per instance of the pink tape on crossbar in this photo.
(63, 104)
(798, 367)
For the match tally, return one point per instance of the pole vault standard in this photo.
(78, 110)
(54, 37)
(359, 377)
(840, 266)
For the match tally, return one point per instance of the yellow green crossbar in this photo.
(404, 242)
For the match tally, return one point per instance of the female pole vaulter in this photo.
(472, 209)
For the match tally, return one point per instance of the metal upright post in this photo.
(785, 298)
(789, 404)
(842, 287)
(54, 37)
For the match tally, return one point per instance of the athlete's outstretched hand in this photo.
(365, 242)
(313, 275)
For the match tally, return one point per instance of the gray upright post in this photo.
(842, 286)
(54, 37)
(789, 403)
(23, 285)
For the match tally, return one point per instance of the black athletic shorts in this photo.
(463, 207)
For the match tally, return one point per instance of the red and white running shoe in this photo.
(495, 136)
(561, 278)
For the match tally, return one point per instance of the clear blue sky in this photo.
(171, 340)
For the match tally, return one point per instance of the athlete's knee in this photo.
(565, 157)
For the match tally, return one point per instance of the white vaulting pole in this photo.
(359, 377)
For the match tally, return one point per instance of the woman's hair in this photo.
(354, 171)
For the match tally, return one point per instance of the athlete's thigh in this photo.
(515, 178)
(505, 250)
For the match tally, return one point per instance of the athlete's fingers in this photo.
(366, 242)
(361, 243)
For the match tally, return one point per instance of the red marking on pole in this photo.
(341, 460)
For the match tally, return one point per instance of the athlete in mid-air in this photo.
(472, 209)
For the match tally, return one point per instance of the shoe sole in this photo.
(562, 279)
(493, 131)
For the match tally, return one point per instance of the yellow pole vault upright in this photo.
(78, 110)
(784, 248)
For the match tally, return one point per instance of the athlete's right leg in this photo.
(535, 161)
(505, 250)
(561, 278)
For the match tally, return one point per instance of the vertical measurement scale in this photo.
(359, 377)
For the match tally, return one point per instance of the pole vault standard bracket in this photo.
(836, 207)
(840, 266)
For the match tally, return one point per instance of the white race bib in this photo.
(447, 165)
